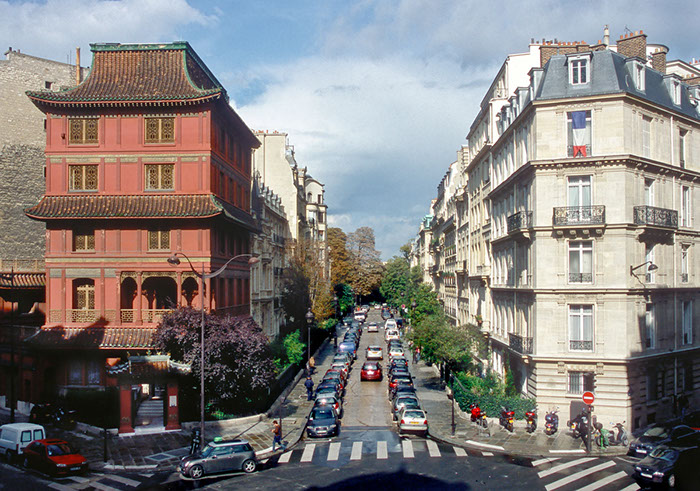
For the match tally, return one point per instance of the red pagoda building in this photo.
(144, 159)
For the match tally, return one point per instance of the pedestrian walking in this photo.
(309, 384)
(312, 365)
(277, 435)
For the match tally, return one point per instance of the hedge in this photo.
(491, 403)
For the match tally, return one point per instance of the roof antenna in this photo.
(627, 30)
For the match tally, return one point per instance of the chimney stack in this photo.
(77, 66)
(633, 45)
(606, 36)
(658, 60)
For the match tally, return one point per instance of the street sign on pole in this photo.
(588, 397)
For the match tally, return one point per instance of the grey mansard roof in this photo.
(610, 74)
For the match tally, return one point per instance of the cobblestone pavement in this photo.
(161, 451)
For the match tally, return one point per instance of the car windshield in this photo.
(664, 453)
(325, 400)
(374, 348)
(207, 450)
(369, 366)
(413, 414)
(321, 413)
(657, 431)
(57, 449)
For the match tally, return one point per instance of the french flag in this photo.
(578, 125)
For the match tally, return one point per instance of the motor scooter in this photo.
(506, 419)
(530, 421)
(579, 425)
(478, 416)
(551, 422)
(622, 438)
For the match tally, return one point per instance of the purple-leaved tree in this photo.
(238, 364)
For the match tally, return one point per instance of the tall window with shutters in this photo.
(82, 131)
(160, 177)
(83, 240)
(687, 321)
(82, 177)
(158, 240)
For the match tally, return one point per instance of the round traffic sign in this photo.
(588, 398)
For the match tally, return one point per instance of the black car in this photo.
(52, 414)
(323, 421)
(398, 362)
(669, 467)
(662, 434)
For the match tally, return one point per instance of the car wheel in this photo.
(672, 481)
(625, 441)
(10, 456)
(196, 472)
(249, 466)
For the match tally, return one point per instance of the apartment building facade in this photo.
(582, 186)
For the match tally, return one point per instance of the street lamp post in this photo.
(335, 326)
(309, 320)
(204, 276)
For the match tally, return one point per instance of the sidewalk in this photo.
(495, 438)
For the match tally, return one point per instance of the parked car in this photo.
(330, 400)
(399, 371)
(399, 362)
(402, 390)
(391, 333)
(374, 352)
(396, 352)
(692, 420)
(54, 457)
(333, 385)
(344, 357)
(333, 371)
(669, 467)
(410, 401)
(219, 456)
(371, 370)
(15, 437)
(662, 434)
(372, 327)
(52, 414)
(390, 324)
(413, 421)
(348, 347)
(335, 376)
(394, 380)
(323, 421)
(341, 366)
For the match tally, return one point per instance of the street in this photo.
(369, 450)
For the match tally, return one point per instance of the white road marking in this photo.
(334, 451)
(580, 450)
(102, 487)
(604, 482)
(578, 475)
(407, 446)
(82, 480)
(356, 451)
(124, 480)
(485, 445)
(433, 449)
(631, 487)
(460, 452)
(487, 454)
(536, 463)
(382, 452)
(563, 466)
(60, 487)
(285, 457)
(308, 452)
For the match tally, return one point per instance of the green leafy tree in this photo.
(345, 298)
(395, 283)
(294, 347)
(367, 267)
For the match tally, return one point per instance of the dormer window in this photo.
(578, 70)
(639, 76)
(676, 92)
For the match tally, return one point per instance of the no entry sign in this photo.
(588, 398)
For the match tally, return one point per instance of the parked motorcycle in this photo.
(530, 421)
(53, 415)
(506, 419)
(478, 416)
(579, 425)
(619, 439)
(551, 422)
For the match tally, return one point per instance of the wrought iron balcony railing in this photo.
(520, 220)
(684, 277)
(579, 215)
(580, 277)
(580, 345)
(658, 217)
(520, 344)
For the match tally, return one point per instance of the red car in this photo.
(341, 373)
(371, 370)
(54, 457)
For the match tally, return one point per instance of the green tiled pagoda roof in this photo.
(93, 337)
(139, 73)
(137, 206)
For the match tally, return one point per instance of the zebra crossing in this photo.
(98, 481)
(381, 450)
(582, 474)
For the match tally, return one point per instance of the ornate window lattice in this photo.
(82, 131)
(84, 240)
(160, 176)
(160, 130)
(158, 240)
(85, 296)
(83, 177)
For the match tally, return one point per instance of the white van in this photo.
(15, 436)
(390, 324)
(390, 334)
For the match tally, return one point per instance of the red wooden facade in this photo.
(145, 158)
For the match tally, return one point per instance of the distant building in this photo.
(144, 159)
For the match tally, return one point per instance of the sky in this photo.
(377, 96)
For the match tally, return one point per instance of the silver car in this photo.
(219, 456)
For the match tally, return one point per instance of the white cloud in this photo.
(54, 28)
